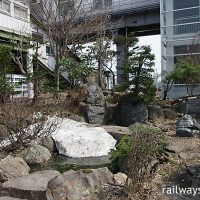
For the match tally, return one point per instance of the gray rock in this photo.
(11, 167)
(176, 148)
(170, 114)
(96, 105)
(155, 113)
(49, 143)
(77, 118)
(120, 178)
(35, 154)
(78, 185)
(128, 113)
(116, 131)
(32, 186)
(187, 127)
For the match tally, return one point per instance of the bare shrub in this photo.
(20, 124)
(147, 142)
(75, 100)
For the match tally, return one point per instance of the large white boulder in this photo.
(75, 139)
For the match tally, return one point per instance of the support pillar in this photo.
(30, 71)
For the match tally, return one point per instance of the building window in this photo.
(185, 4)
(5, 6)
(187, 19)
(20, 12)
(49, 51)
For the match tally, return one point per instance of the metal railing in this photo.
(19, 83)
(187, 25)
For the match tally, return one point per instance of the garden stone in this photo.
(77, 140)
(170, 114)
(11, 168)
(116, 131)
(35, 154)
(96, 105)
(155, 113)
(120, 178)
(187, 127)
(128, 113)
(78, 185)
(176, 148)
(49, 143)
(77, 118)
(32, 186)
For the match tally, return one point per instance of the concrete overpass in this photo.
(141, 17)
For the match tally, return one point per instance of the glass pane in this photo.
(185, 4)
(6, 6)
(1, 4)
(24, 13)
(17, 11)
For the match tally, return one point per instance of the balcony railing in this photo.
(187, 25)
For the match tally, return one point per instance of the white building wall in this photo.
(11, 23)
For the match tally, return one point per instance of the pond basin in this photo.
(63, 163)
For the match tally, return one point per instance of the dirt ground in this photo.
(183, 169)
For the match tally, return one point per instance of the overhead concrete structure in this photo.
(141, 17)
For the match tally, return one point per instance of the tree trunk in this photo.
(57, 79)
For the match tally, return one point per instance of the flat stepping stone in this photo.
(31, 187)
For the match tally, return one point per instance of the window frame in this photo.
(4, 11)
(21, 8)
(50, 53)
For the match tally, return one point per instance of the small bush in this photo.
(145, 143)
(121, 151)
(148, 142)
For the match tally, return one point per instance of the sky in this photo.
(155, 43)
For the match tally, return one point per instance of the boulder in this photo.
(31, 187)
(187, 127)
(155, 113)
(96, 105)
(11, 167)
(78, 185)
(128, 113)
(49, 143)
(35, 154)
(170, 114)
(120, 178)
(76, 140)
(110, 110)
